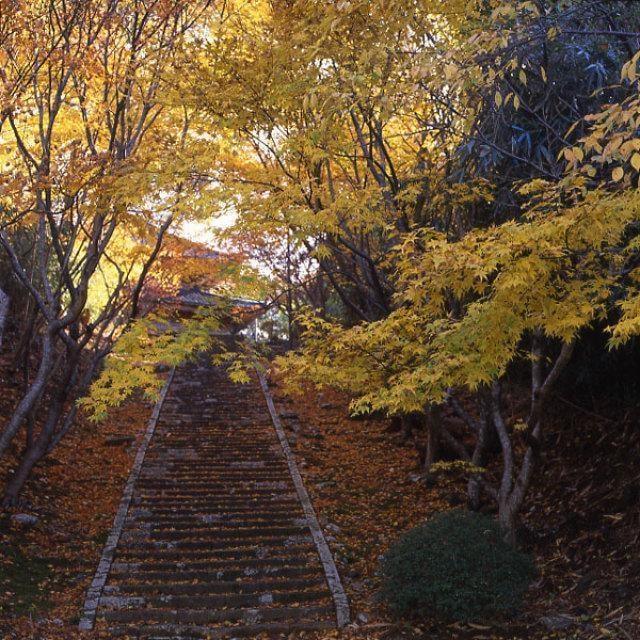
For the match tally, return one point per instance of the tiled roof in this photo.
(197, 297)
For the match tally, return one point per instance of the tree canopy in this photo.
(434, 194)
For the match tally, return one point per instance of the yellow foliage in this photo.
(151, 342)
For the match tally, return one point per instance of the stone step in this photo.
(195, 632)
(213, 516)
(228, 502)
(137, 539)
(217, 517)
(209, 602)
(239, 486)
(217, 531)
(274, 510)
(215, 543)
(202, 617)
(156, 526)
(221, 493)
(174, 472)
(170, 479)
(251, 552)
(216, 587)
(208, 563)
(207, 575)
(231, 503)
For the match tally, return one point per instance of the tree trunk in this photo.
(80, 389)
(22, 351)
(289, 303)
(516, 479)
(40, 446)
(478, 459)
(31, 396)
(4, 313)
(507, 518)
(486, 441)
(31, 428)
(29, 460)
(31, 457)
(433, 418)
(407, 425)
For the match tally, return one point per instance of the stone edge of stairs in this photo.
(338, 594)
(94, 592)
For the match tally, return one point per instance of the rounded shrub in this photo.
(457, 567)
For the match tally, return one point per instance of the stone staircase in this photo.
(215, 542)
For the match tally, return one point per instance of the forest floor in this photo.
(582, 523)
(45, 568)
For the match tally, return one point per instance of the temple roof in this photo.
(199, 297)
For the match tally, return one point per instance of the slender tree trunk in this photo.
(406, 428)
(508, 520)
(40, 446)
(33, 412)
(66, 424)
(29, 460)
(31, 457)
(517, 479)
(81, 388)
(506, 515)
(478, 459)
(433, 423)
(22, 351)
(34, 392)
(31, 426)
(289, 293)
(4, 313)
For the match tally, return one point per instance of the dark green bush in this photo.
(456, 567)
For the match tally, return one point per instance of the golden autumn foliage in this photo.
(380, 158)
(436, 202)
(430, 192)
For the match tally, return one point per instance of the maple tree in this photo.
(87, 197)
(448, 186)
(429, 160)
(437, 199)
